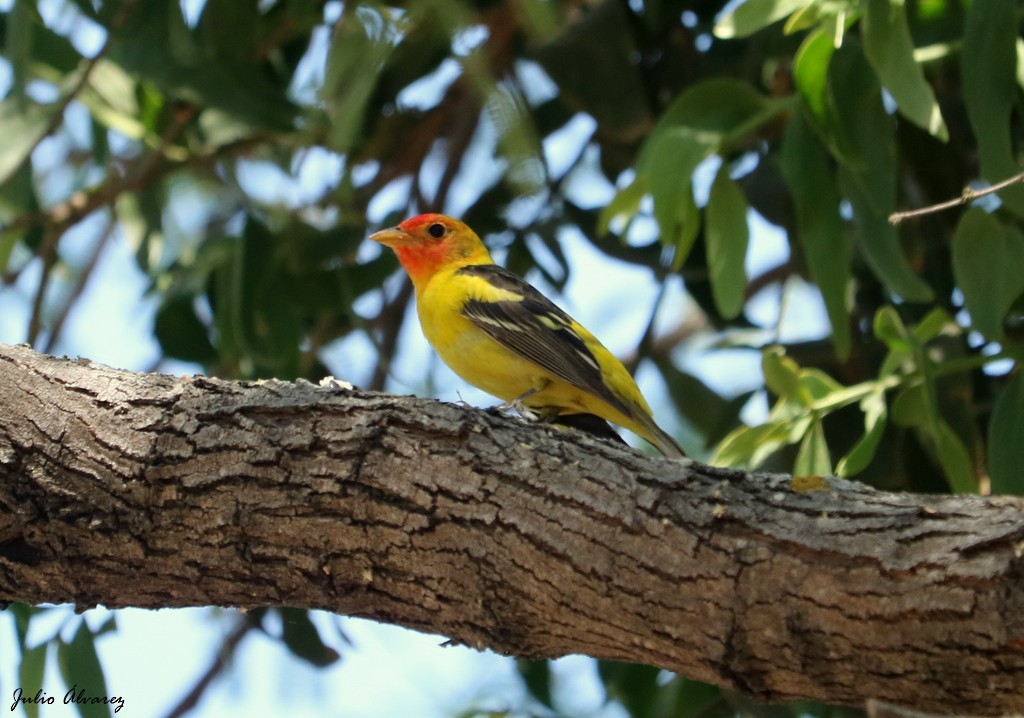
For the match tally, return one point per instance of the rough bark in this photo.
(148, 490)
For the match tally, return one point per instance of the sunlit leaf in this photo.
(890, 50)
(749, 16)
(858, 458)
(749, 446)
(934, 323)
(889, 328)
(810, 71)
(782, 376)
(819, 385)
(813, 459)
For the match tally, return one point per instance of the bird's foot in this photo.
(519, 407)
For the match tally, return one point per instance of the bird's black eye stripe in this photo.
(436, 230)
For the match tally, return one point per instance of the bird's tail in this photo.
(661, 439)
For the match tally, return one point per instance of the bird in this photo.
(502, 335)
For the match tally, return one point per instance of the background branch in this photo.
(968, 195)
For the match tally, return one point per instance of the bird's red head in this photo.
(430, 242)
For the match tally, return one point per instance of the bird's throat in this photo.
(421, 263)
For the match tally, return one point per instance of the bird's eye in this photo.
(436, 230)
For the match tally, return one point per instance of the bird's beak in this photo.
(392, 237)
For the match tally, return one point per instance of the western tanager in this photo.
(503, 336)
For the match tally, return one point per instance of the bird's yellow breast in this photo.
(463, 346)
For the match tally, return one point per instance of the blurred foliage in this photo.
(244, 149)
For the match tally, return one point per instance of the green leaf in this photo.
(813, 459)
(667, 163)
(749, 446)
(112, 99)
(934, 323)
(22, 20)
(879, 242)
(695, 699)
(820, 386)
(955, 460)
(988, 78)
(623, 208)
(180, 331)
(750, 16)
(723, 110)
(727, 236)
(810, 72)
(868, 179)
(155, 44)
(8, 239)
(707, 118)
(31, 672)
(592, 63)
(635, 686)
(910, 407)
(890, 50)
(782, 376)
(1006, 437)
(303, 638)
(537, 677)
(358, 54)
(22, 614)
(863, 451)
(890, 329)
(24, 126)
(987, 260)
(826, 246)
(82, 673)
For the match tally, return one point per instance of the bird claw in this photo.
(520, 407)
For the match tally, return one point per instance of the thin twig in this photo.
(67, 215)
(643, 347)
(49, 258)
(390, 320)
(968, 195)
(80, 283)
(191, 699)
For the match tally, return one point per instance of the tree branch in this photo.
(968, 195)
(148, 490)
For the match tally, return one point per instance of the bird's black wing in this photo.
(538, 331)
